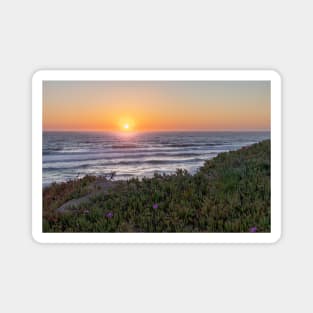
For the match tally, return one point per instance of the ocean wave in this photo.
(130, 148)
(126, 146)
(126, 163)
(127, 156)
(186, 145)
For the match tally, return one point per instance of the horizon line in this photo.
(156, 130)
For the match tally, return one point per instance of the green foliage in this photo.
(230, 193)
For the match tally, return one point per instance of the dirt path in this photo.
(98, 187)
(67, 206)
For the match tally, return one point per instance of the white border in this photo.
(180, 75)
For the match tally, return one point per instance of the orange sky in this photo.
(141, 106)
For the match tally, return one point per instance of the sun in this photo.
(126, 124)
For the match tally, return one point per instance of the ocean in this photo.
(69, 155)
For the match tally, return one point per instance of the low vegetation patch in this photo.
(230, 193)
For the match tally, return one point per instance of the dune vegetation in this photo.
(230, 193)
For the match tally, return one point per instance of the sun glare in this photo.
(126, 124)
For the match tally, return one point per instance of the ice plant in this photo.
(253, 229)
(155, 206)
(109, 215)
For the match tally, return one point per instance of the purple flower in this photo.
(253, 229)
(109, 215)
(155, 206)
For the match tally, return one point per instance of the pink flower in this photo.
(109, 215)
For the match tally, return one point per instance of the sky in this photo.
(156, 105)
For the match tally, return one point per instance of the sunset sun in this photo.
(126, 124)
